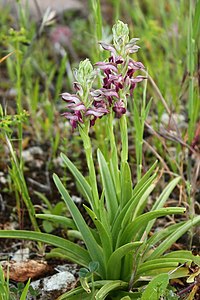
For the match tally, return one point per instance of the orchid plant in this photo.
(120, 251)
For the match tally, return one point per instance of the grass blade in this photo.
(25, 291)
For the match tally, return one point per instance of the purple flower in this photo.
(132, 82)
(73, 101)
(104, 94)
(119, 109)
(116, 80)
(108, 47)
(107, 67)
(116, 59)
(75, 107)
(70, 98)
(74, 118)
(96, 112)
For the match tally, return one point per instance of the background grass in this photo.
(38, 71)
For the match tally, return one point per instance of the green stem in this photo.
(114, 164)
(124, 138)
(19, 100)
(90, 163)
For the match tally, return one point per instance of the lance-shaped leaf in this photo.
(162, 199)
(108, 287)
(94, 249)
(135, 229)
(124, 216)
(158, 237)
(108, 186)
(59, 220)
(104, 235)
(126, 184)
(114, 263)
(84, 185)
(156, 288)
(161, 263)
(173, 237)
(73, 252)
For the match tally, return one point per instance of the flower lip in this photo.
(108, 47)
(70, 98)
(138, 78)
(135, 64)
(77, 107)
(106, 66)
(97, 112)
(103, 92)
(119, 109)
(74, 118)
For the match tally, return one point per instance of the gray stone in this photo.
(60, 282)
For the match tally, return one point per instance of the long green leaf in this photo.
(135, 229)
(162, 199)
(183, 254)
(143, 200)
(74, 252)
(166, 244)
(144, 178)
(108, 287)
(94, 249)
(124, 216)
(79, 293)
(114, 263)
(126, 184)
(160, 263)
(84, 185)
(156, 288)
(158, 237)
(105, 236)
(108, 186)
(174, 272)
(60, 220)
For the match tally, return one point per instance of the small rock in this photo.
(76, 199)
(21, 254)
(168, 120)
(21, 271)
(27, 156)
(36, 151)
(58, 162)
(3, 179)
(60, 282)
(72, 268)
